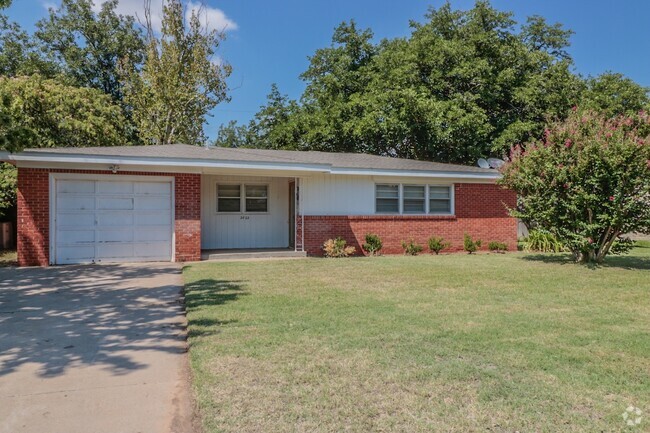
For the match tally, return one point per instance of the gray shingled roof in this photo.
(182, 152)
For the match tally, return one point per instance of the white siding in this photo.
(241, 230)
(327, 194)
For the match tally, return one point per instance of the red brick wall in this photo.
(34, 215)
(480, 211)
(188, 217)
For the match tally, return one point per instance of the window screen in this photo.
(440, 199)
(257, 198)
(414, 199)
(228, 198)
(387, 198)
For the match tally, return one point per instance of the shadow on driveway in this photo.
(60, 316)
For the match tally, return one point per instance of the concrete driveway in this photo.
(93, 349)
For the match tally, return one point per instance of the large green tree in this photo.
(41, 112)
(180, 81)
(464, 84)
(89, 46)
(614, 94)
(20, 53)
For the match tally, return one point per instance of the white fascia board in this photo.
(167, 162)
(194, 164)
(417, 173)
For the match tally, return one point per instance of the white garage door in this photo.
(112, 220)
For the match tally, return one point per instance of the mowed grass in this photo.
(454, 343)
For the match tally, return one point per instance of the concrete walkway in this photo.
(93, 349)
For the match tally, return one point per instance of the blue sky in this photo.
(269, 41)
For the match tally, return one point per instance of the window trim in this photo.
(399, 198)
(245, 197)
(242, 198)
(452, 200)
(427, 199)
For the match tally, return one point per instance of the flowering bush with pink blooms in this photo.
(587, 182)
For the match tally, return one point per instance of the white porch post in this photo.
(299, 223)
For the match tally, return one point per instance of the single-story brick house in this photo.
(154, 203)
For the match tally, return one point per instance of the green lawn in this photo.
(7, 258)
(455, 343)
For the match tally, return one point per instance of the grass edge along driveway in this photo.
(498, 343)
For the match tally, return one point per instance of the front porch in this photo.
(247, 217)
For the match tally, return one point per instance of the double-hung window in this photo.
(237, 198)
(228, 198)
(387, 198)
(414, 199)
(257, 199)
(440, 200)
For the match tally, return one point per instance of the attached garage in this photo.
(111, 218)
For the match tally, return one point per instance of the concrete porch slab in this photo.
(248, 254)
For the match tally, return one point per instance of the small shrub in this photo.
(337, 248)
(411, 248)
(542, 241)
(373, 244)
(498, 247)
(437, 244)
(471, 245)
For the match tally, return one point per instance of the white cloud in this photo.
(212, 18)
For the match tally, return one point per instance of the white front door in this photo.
(112, 219)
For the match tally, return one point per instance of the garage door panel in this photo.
(75, 186)
(75, 254)
(151, 249)
(164, 188)
(74, 219)
(75, 202)
(66, 237)
(115, 203)
(117, 235)
(113, 221)
(114, 250)
(152, 203)
(112, 187)
(110, 219)
(153, 219)
(153, 234)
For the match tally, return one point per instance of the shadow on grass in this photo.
(630, 262)
(208, 293)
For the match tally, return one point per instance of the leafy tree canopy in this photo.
(38, 112)
(464, 84)
(180, 81)
(614, 94)
(587, 182)
(89, 46)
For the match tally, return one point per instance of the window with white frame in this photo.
(440, 200)
(387, 198)
(237, 198)
(257, 199)
(228, 198)
(414, 199)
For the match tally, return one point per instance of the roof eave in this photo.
(47, 157)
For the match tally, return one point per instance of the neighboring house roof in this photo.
(182, 154)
